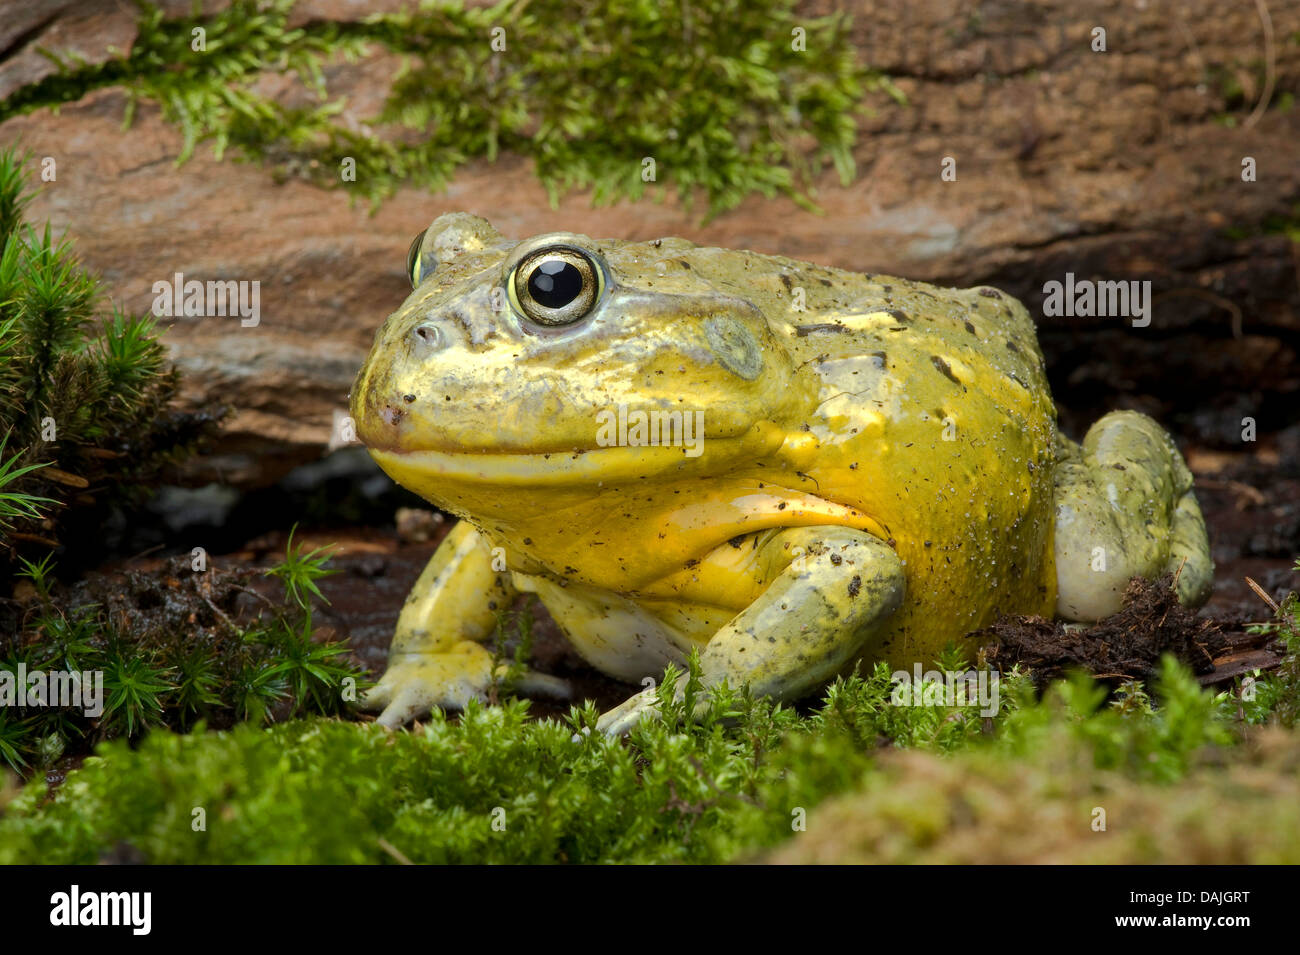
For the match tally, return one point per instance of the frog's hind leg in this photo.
(1124, 508)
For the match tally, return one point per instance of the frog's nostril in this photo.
(428, 337)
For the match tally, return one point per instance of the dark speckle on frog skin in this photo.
(990, 293)
(803, 331)
(899, 315)
(855, 586)
(944, 369)
(1011, 346)
(970, 328)
(408, 398)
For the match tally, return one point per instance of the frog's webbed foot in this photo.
(810, 621)
(415, 683)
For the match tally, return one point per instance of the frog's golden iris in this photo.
(880, 471)
(556, 285)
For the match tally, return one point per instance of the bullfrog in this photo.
(787, 468)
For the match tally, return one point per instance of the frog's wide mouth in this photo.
(413, 467)
(573, 466)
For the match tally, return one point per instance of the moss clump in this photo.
(1278, 699)
(714, 91)
(170, 652)
(85, 415)
(498, 787)
(984, 809)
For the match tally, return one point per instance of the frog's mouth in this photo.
(421, 469)
(417, 469)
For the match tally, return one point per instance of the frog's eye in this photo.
(556, 286)
(414, 268)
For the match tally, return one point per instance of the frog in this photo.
(779, 470)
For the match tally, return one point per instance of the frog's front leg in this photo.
(437, 657)
(838, 586)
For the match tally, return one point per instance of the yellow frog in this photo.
(786, 467)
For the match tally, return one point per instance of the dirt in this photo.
(1125, 646)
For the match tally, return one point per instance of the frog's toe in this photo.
(399, 696)
(533, 683)
(414, 698)
(624, 718)
(415, 683)
(407, 705)
(378, 696)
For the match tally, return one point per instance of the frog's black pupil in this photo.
(555, 284)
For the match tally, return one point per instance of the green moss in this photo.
(712, 90)
(982, 808)
(495, 786)
(1278, 698)
(84, 396)
(190, 664)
